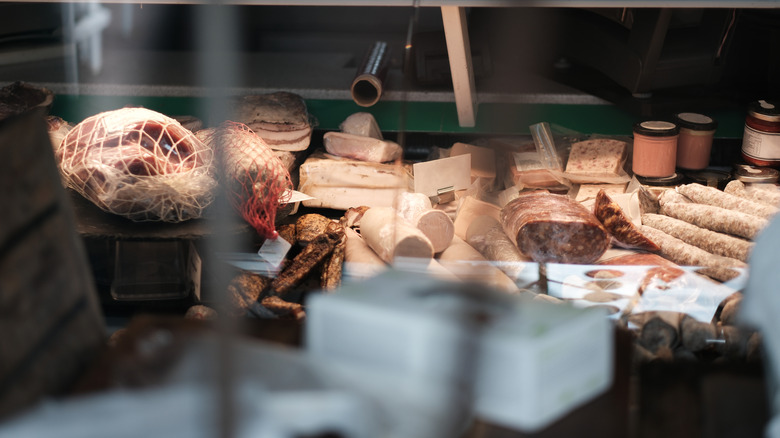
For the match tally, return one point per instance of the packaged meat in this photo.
(363, 124)
(554, 228)
(361, 148)
(597, 160)
(139, 164)
(281, 119)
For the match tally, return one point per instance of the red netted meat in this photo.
(255, 179)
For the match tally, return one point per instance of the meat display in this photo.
(619, 224)
(139, 164)
(554, 228)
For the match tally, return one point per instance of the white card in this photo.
(444, 173)
(274, 251)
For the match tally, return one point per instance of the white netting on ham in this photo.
(255, 179)
(139, 164)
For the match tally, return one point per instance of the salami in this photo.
(716, 219)
(619, 225)
(710, 241)
(684, 254)
(671, 196)
(769, 195)
(554, 228)
(712, 196)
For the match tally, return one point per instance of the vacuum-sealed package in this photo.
(140, 164)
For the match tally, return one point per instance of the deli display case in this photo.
(386, 218)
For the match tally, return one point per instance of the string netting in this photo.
(255, 179)
(139, 164)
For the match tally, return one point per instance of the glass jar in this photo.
(655, 148)
(761, 140)
(695, 141)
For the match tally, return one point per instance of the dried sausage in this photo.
(716, 219)
(710, 241)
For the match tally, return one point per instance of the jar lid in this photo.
(765, 110)
(665, 181)
(656, 128)
(755, 174)
(695, 122)
(709, 177)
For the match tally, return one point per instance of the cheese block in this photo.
(598, 157)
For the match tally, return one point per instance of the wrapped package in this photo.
(597, 160)
(139, 164)
(554, 228)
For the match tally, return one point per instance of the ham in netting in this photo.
(139, 164)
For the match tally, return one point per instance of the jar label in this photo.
(761, 145)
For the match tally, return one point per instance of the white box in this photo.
(541, 362)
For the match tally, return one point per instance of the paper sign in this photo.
(274, 251)
(431, 176)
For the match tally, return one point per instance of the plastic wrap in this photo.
(139, 164)
(554, 228)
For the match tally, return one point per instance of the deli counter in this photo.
(430, 219)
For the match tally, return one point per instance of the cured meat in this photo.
(363, 124)
(716, 219)
(648, 201)
(487, 236)
(669, 196)
(333, 265)
(619, 225)
(307, 261)
(361, 148)
(139, 164)
(712, 196)
(688, 255)
(710, 241)
(281, 119)
(309, 226)
(255, 180)
(554, 228)
(769, 195)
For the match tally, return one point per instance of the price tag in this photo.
(274, 251)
